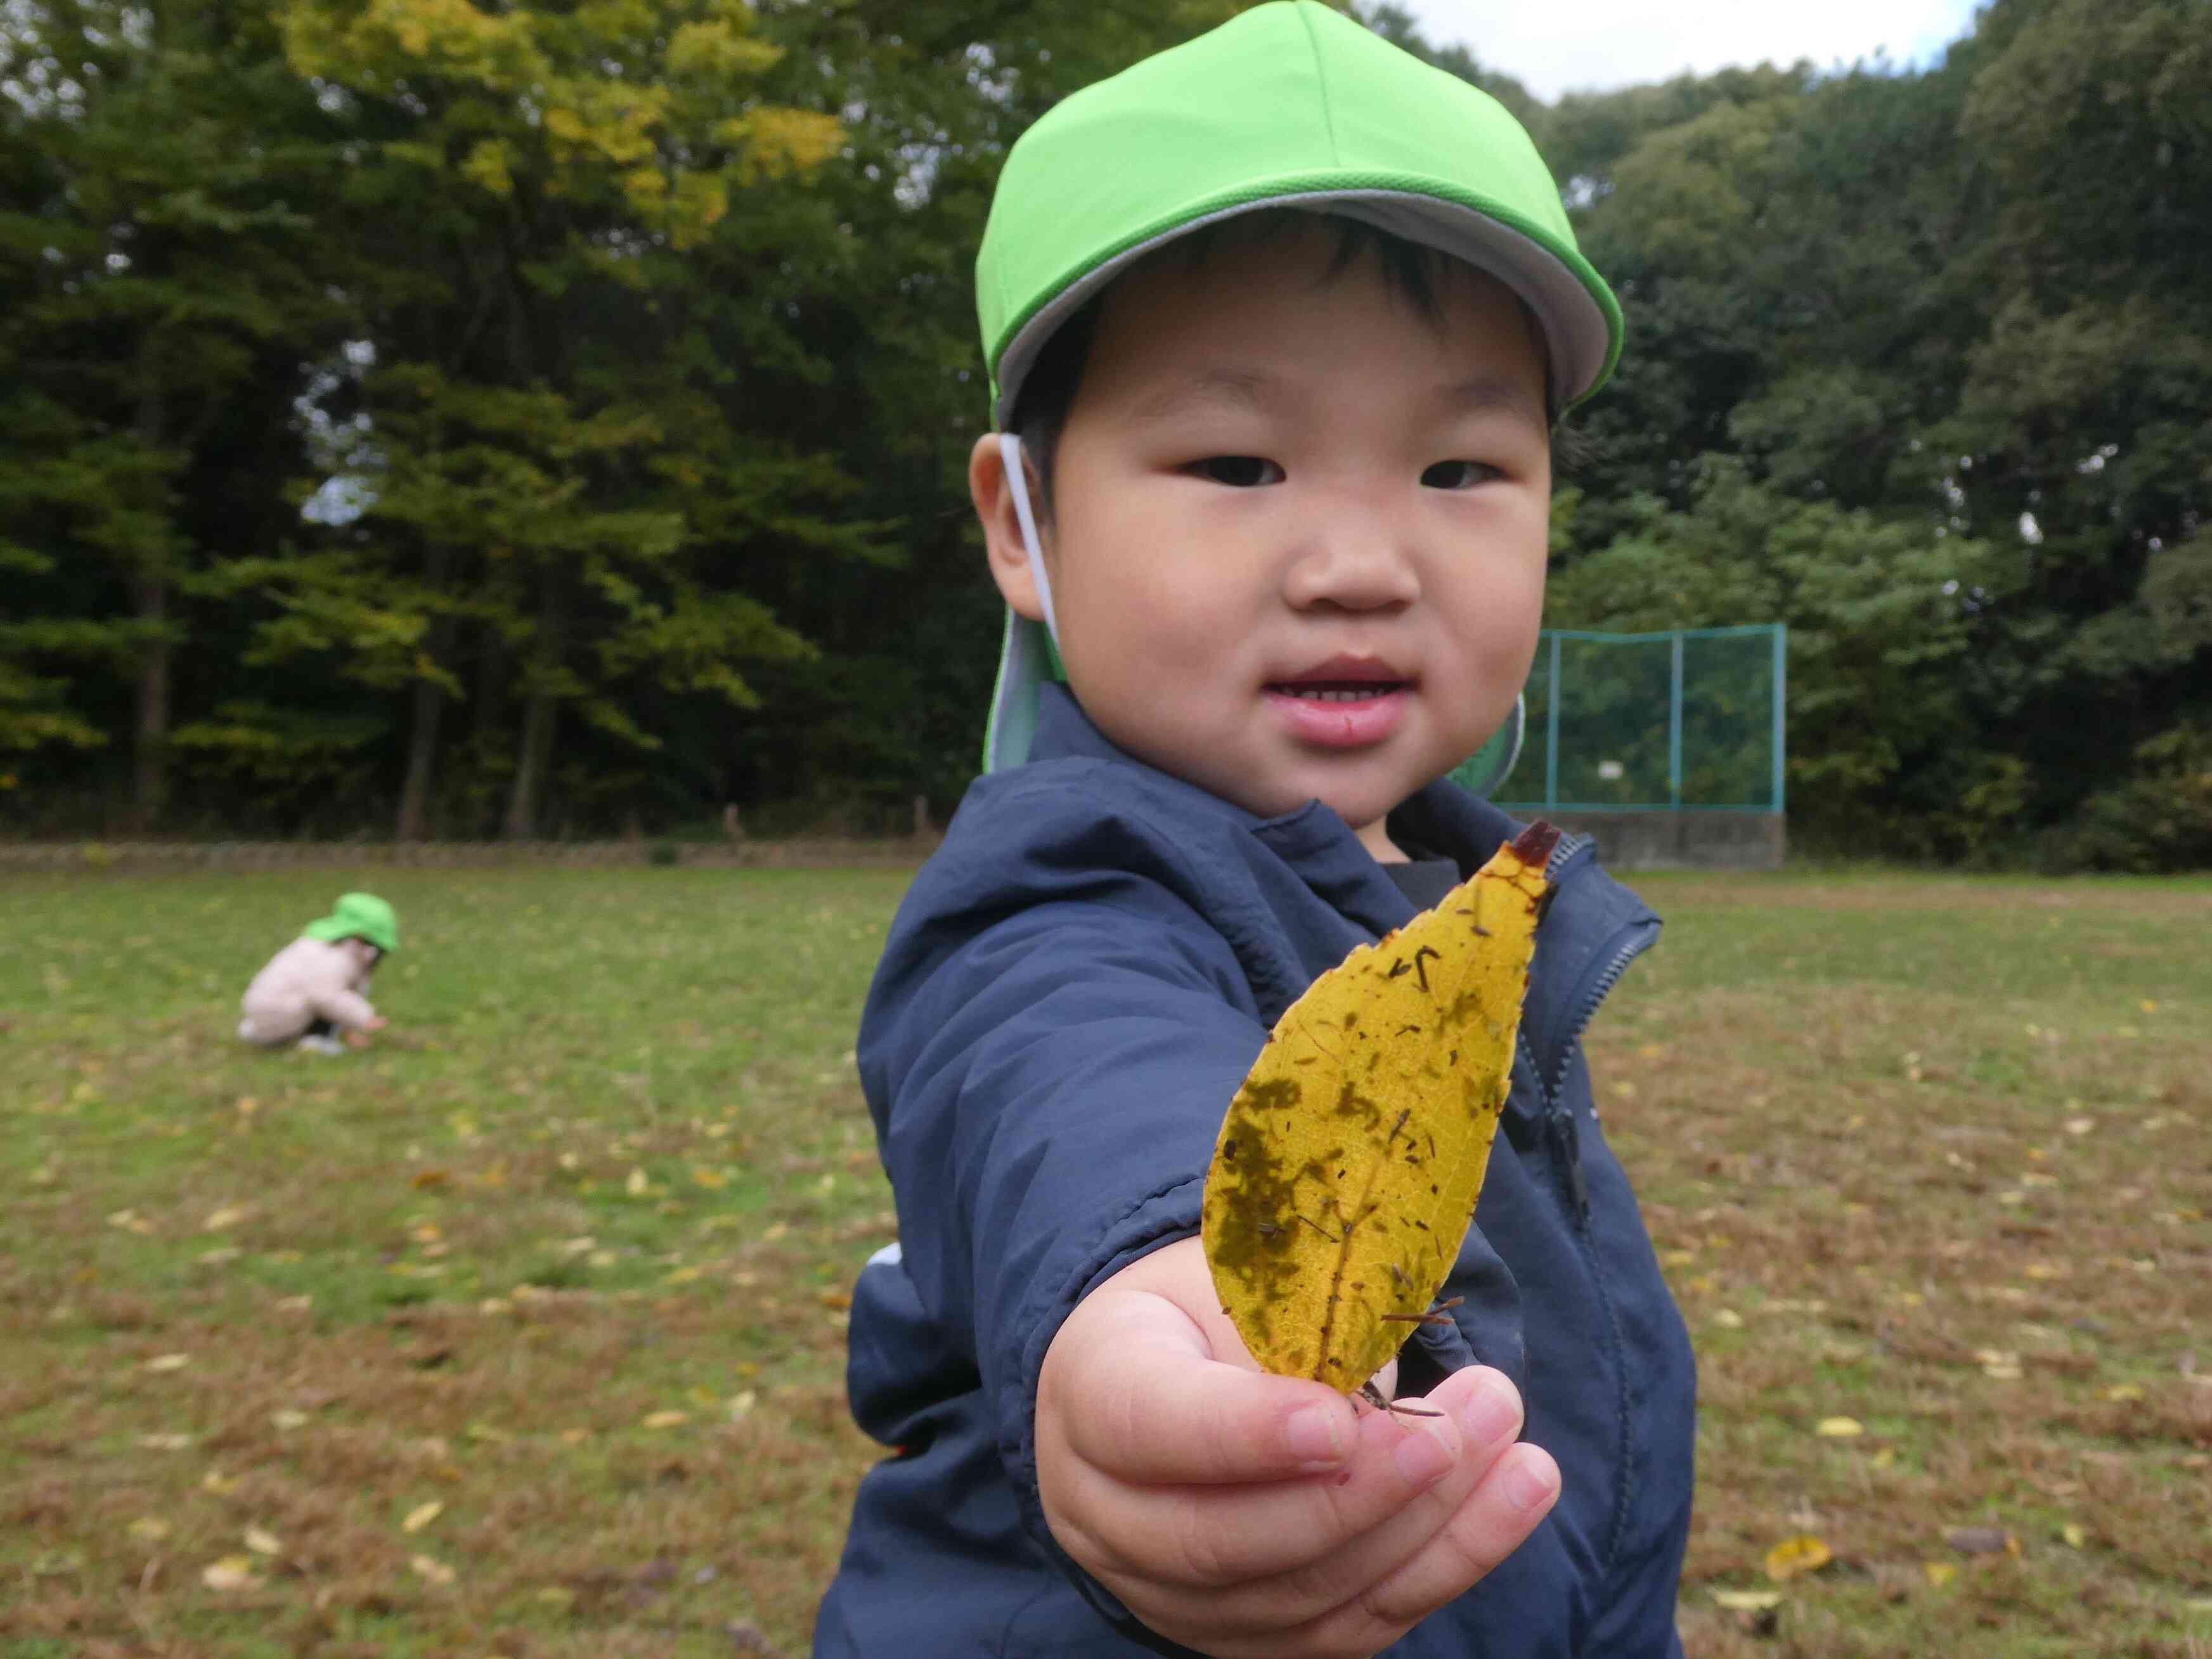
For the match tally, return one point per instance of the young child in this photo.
(1278, 323)
(316, 985)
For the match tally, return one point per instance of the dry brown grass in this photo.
(1915, 1154)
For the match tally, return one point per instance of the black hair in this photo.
(1412, 271)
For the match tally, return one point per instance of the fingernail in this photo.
(1315, 1435)
(1491, 1414)
(1419, 1458)
(1526, 1488)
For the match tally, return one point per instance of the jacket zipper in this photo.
(1627, 945)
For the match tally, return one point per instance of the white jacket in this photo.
(308, 980)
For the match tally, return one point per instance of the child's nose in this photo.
(1356, 565)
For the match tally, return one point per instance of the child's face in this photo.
(1275, 483)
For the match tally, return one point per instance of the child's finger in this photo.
(1487, 1411)
(1505, 1506)
(1146, 1408)
(1219, 1537)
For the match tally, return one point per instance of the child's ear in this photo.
(1002, 524)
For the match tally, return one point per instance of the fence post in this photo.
(1781, 703)
(1552, 730)
(1674, 725)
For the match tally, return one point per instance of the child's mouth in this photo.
(1359, 693)
(1339, 713)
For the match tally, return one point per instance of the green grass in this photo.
(567, 1259)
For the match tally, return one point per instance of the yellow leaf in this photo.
(1349, 1163)
(168, 1362)
(421, 1515)
(232, 1573)
(741, 1405)
(1940, 1573)
(1800, 1554)
(148, 1529)
(216, 1481)
(709, 1178)
(165, 1441)
(1729, 1319)
(1747, 1601)
(263, 1542)
(287, 1418)
(229, 1216)
(434, 1570)
(666, 1420)
(637, 1185)
(1839, 1428)
(2075, 1535)
(2123, 1392)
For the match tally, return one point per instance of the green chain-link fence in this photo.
(1678, 722)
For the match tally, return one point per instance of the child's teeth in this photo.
(1323, 694)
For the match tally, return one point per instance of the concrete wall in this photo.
(1703, 840)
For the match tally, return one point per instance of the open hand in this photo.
(1251, 1516)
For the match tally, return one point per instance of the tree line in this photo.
(421, 418)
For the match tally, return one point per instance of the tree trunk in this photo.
(150, 753)
(430, 701)
(534, 754)
(422, 761)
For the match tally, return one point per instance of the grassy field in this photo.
(523, 1333)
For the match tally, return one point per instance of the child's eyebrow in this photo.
(1483, 394)
(1246, 388)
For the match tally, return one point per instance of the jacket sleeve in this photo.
(1049, 1067)
(330, 992)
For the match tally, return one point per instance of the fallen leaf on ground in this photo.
(636, 1186)
(263, 1542)
(165, 1441)
(148, 1529)
(229, 1216)
(2075, 1535)
(1800, 1554)
(1747, 1601)
(1838, 1428)
(421, 1515)
(1940, 1573)
(1982, 1540)
(232, 1573)
(666, 1420)
(435, 1572)
(287, 1418)
(168, 1362)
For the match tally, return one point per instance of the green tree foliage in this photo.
(546, 416)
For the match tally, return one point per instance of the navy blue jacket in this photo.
(1073, 988)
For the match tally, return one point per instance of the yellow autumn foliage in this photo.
(1349, 1164)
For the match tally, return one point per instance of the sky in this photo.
(1583, 45)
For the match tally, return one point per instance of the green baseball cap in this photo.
(1289, 105)
(359, 916)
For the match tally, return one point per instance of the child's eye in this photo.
(1238, 472)
(1459, 474)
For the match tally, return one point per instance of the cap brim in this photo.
(1581, 332)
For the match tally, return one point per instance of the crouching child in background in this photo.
(316, 987)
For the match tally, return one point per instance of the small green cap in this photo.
(1287, 105)
(359, 916)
